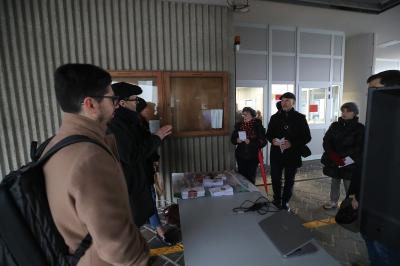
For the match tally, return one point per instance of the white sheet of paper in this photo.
(347, 161)
(281, 141)
(216, 118)
(242, 135)
(154, 125)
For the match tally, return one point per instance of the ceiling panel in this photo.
(365, 6)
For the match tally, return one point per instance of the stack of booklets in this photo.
(193, 192)
(225, 190)
(215, 182)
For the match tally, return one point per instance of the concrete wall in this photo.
(358, 66)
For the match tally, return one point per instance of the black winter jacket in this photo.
(134, 148)
(154, 157)
(293, 126)
(256, 137)
(345, 138)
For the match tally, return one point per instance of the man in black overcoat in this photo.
(288, 132)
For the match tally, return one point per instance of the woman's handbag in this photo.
(171, 214)
(347, 215)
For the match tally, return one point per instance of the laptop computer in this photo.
(287, 233)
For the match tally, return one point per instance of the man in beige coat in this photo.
(85, 184)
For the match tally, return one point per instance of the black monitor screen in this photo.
(380, 190)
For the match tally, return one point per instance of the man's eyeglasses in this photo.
(131, 100)
(114, 99)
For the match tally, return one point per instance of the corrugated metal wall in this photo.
(36, 36)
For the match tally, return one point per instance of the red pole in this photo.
(263, 174)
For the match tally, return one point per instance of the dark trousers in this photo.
(276, 176)
(247, 168)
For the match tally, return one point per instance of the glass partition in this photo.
(249, 97)
(276, 92)
(313, 103)
(197, 103)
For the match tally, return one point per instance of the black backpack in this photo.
(28, 235)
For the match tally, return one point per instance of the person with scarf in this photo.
(249, 137)
(343, 143)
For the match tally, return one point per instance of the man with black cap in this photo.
(134, 149)
(288, 132)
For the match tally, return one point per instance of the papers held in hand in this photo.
(347, 161)
(242, 135)
(281, 142)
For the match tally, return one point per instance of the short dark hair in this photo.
(387, 78)
(250, 110)
(350, 107)
(74, 82)
(288, 95)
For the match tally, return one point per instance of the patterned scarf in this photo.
(248, 127)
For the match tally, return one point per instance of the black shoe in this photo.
(277, 204)
(164, 240)
(173, 235)
(285, 206)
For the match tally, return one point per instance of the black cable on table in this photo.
(261, 205)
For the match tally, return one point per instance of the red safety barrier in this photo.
(263, 174)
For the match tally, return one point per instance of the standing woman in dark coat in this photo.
(246, 152)
(343, 143)
(288, 132)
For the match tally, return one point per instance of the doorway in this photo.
(252, 95)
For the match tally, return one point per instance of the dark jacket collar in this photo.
(288, 113)
(348, 122)
(126, 115)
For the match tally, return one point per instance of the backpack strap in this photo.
(63, 143)
(87, 241)
(80, 251)
(37, 151)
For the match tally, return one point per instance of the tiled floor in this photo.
(311, 191)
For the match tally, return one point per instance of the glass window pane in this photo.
(249, 97)
(197, 103)
(338, 45)
(315, 43)
(251, 67)
(313, 104)
(277, 91)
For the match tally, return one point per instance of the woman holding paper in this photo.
(249, 136)
(343, 143)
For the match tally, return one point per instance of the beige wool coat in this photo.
(87, 193)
